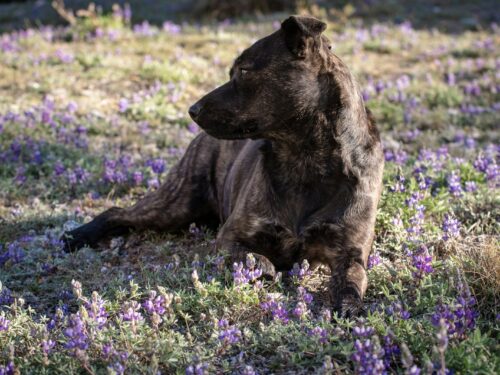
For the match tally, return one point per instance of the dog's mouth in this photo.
(247, 129)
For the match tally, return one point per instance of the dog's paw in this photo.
(349, 304)
(264, 264)
(351, 307)
(75, 239)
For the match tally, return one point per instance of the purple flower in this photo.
(459, 317)
(197, 369)
(374, 259)
(469, 142)
(229, 334)
(416, 222)
(108, 350)
(367, 358)
(137, 177)
(397, 309)
(320, 333)
(78, 175)
(238, 276)
(130, 312)
(20, 177)
(470, 186)
(76, 333)
(243, 275)
(157, 303)
(48, 345)
(414, 199)
(144, 29)
(171, 27)
(493, 175)
(144, 127)
(57, 318)
(300, 271)
(407, 360)
(363, 331)
(6, 297)
(472, 89)
(487, 164)
(248, 370)
(399, 185)
(399, 157)
(391, 350)
(157, 165)
(153, 183)
(72, 107)
(454, 184)
(4, 323)
(15, 251)
(433, 159)
(127, 13)
(304, 296)
(46, 116)
(300, 311)
(58, 168)
(276, 308)
(422, 262)
(7, 370)
(380, 86)
(326, 315)
(424, 182)
(123, 105)
(64, 57)
(451, 227)
(96, 310)
(481, 163)
(450, 79)
(117, 368)
(397, 222)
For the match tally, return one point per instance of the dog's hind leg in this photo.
(186, 196)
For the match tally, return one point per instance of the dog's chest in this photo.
(279, 234)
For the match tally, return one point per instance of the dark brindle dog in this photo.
(290, 164)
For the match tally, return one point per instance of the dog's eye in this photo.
(244, 72)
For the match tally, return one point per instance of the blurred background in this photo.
(447, 15)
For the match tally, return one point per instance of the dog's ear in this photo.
(300, 32)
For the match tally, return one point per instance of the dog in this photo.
(289, 164)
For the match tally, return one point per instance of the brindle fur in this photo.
(290, 163)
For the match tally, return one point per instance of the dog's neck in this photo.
(335, 138)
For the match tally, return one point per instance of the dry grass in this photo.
(479, 259)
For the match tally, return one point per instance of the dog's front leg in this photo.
(348, 282)
(345, 250)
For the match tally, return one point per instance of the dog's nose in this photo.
(195, 110)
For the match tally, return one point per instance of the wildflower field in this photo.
(94, 115)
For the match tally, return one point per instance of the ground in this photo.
(94, 115)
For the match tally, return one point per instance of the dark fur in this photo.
(290, 164)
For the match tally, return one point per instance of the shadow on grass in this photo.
(43, 276)
(11, 230)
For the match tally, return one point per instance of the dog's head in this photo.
(272, 83)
